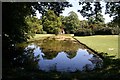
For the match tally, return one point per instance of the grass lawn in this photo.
(41, 36)
(101, 43)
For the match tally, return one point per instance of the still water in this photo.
(82, 61)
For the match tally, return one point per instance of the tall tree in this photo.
(96, 21)
(71, 22)
(14, 31)
(57, 7)
(51, 22)
(112, 8)
(83, 24)
(35, 24)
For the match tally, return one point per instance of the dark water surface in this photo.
(61, 62)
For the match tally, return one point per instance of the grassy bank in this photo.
(40, 36)
(101, 43)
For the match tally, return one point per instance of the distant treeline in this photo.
(50, 23)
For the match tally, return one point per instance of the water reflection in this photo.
(62, 63)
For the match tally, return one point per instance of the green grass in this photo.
(101, 43)
(40, 36)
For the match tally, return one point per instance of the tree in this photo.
(51, 22)
(112, 8)
(71, 22)
(35, 24)
(57, 7)
(96, 22)
(88, 11)
(15, 30)
(84, 24)
(114, 27)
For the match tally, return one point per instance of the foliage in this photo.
(104, 31)
(87, 9)
(96, 19)
(96, 22)
(18, 26)
(15, 31)
(83, 32)
(71, 22)
(112, 8)
(116, 31)
(34, 24)
(14, 24)
(84, 24)
(57, 7)
(51, 22)
(114, 27)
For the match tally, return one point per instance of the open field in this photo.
(101, 43)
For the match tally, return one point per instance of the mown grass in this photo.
(42, 36)
(101, 43)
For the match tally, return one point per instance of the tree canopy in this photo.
(71, 22)
(16, 29)
(57, 7)
(112, 8)
(19, 23)
(35, 25)
(51, 22)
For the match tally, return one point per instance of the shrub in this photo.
(104, 31)
(83, 32)
(115, 30)
(44, 32)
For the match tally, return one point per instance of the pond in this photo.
(63, 61)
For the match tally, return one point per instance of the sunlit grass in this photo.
(101, 43)
(42, 36)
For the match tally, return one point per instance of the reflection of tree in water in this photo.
(23, 62)
(51, 47)
(87, 67)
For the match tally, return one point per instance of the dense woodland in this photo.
(50, 23)
(20, 23)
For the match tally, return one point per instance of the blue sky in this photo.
(77, 7)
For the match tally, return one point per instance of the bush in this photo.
(44, 32)
(103, 31)
(115, 30)
(83, 32)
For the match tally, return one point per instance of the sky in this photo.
(76, 7)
